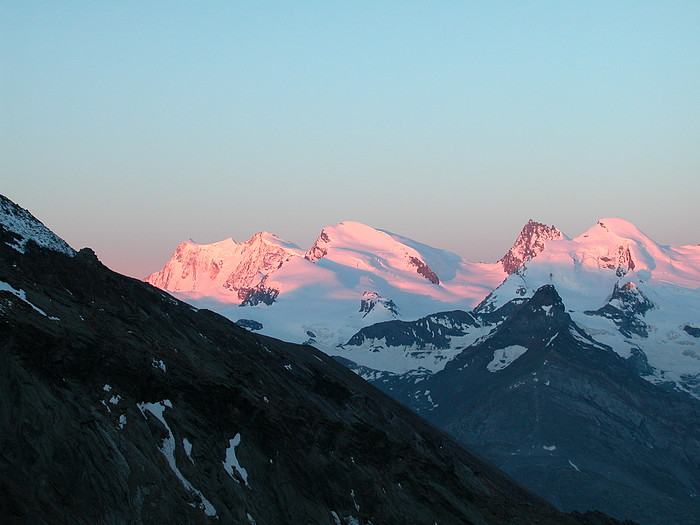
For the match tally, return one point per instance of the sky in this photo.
(130, 127)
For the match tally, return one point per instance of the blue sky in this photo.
(132, 126)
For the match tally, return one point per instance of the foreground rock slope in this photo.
(122, 405)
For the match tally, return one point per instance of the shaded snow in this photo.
(188, 448)
(5, 287)
(231, 461)
(167, 448)
(503, 357)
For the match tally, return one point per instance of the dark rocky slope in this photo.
(567, 417)
(119, 404)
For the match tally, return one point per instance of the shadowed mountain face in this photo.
(566, 416)
(122, 405)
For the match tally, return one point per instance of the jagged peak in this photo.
(530, 243)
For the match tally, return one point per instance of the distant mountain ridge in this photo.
(351, 277)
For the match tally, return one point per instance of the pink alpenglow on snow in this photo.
(293, 292)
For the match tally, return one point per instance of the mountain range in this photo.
(120, 404)
(352, 277)
(571, 363)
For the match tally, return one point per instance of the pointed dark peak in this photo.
(435, 330)
(625, 308)
(533, 321)
(546, 296)
(529, 244)
(545, 306)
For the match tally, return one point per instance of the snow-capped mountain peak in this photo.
(621, 228)
(357, 245)
(625, 290)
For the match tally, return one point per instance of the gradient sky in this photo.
(132, 126)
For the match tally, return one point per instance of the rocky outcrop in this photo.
(436, 330)
(692, 330)
(371, 299)
(260, 293)
(424, 270)
(530, 243)
(618, 259)
(320, 248)
(250, 324)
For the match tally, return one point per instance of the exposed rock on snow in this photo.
(529, 244)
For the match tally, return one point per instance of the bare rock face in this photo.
(260, 293)
(121, 405)
(529, 244)
(619, 259)
(423, 269)
(320, 248)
